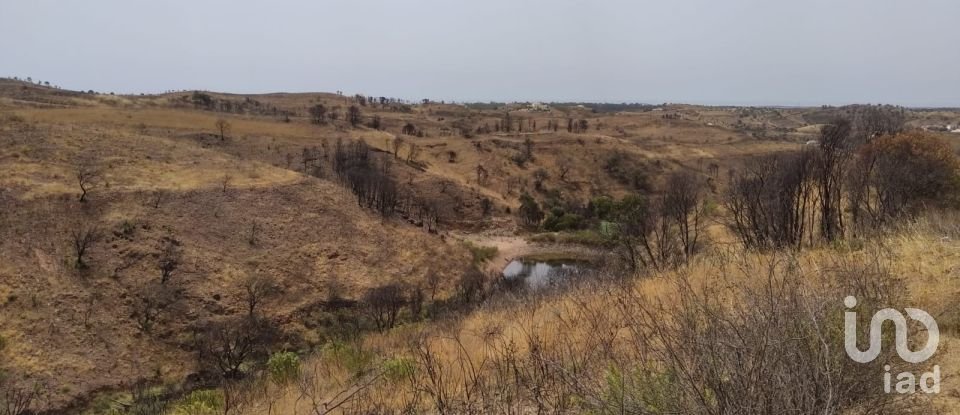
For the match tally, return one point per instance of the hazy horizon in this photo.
(743, 52)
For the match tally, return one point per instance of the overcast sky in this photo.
(760, 52)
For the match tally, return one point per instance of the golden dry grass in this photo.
(926, 259)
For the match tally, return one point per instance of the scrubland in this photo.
(199, 253)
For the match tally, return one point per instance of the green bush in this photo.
(352, 358)
(563, 221)
(283, 367)
(638, 391)
(398, 368)
(200, 402)
(587, 237)
(601, 207)
(481, 254)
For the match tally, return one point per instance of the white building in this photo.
(539, 106)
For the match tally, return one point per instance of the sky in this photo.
(716, 52)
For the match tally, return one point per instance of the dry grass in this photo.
(161, 173)
(587, 325)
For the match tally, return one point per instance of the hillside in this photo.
(229, 218)
(135, 230)
(604, 345)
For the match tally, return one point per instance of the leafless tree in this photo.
(433, 281)
(19, 400)
(88, 177)
(169, 258)
(645, 234)
(835, 151)
(376, 122)
(683, 202)
(311, 160)
(253, 233)
(319, 114)
(354, 116)
(149, 304)
(157, 197)
(83, 238)
(528, 148)
(415, 302)
(227, 345)
(256, 289)
(471, 286)
(482, 175)
(771, 202)
(413, 153)
(563, 167)
(539, 176)
(872, 121)
(225, 182)
(383, 305)
(397, 143)
(223, 126)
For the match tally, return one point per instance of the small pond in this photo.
(540, 274)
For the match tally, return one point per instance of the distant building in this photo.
(538, 106)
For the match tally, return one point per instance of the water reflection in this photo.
(539, 274)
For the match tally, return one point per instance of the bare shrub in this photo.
(471, 285)
(227, 346)
(150, 303)
(771, 202)
(383, 305)
(169, 258)
(318, 114)
(83, 237)
(223, 127)
(564, 165)
(746, 348)
(539, 176)
(354, 116)
(225, 181)
(256, 289)
(88, 176)
(684, 204)
(645, 234)
(17, 399)
(157, 197)
(871, 121)
(834, 152)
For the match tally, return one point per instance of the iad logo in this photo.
(906, 381)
